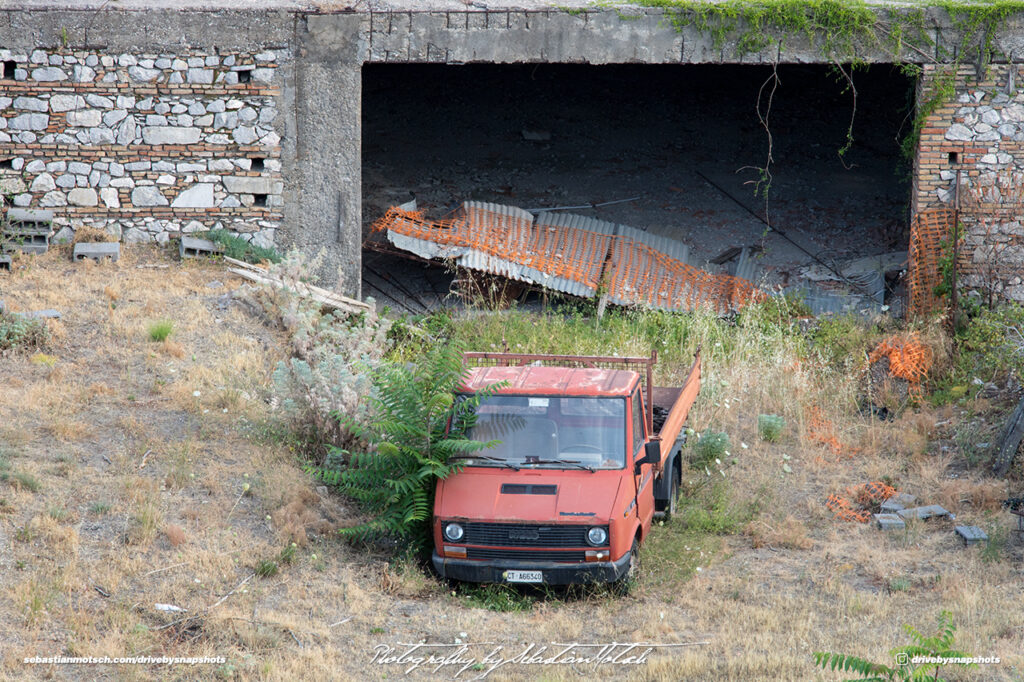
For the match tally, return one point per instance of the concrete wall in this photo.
(315, 91)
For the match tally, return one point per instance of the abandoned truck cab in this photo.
(588, 450)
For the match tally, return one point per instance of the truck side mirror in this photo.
(652, 454)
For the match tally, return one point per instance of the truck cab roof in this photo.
(540, 380)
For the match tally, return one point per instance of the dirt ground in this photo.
(139, 473)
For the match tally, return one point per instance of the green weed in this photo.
(160, 331)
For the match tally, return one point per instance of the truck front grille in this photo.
(525, 535)
(525, 554)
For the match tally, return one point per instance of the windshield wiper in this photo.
(572, 462)
(496, 460)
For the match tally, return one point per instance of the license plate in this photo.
(524, 576)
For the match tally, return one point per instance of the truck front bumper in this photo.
(555, 573)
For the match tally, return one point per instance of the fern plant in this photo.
(410, 446)
(938, 646)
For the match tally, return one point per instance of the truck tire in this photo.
(627, 582)
(672, 506)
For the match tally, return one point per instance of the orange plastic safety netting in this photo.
(843, 510)
(821, 430)
(928, 230)
(909, 359)
(629, 271)
(864, 495)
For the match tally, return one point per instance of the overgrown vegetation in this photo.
(160, 331)
(240, 249)
(22, 332)
(409, 446)
(940, 645)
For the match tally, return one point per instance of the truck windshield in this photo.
(536, 431)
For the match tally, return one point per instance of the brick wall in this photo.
(980, 134)
(145, 146)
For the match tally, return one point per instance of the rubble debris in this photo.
(890, 522)
(328, 300)
(27, 230)
(897, 502)
(193, 247)
(928, 512)
(971, 534)
(570, 253)
(97, 251)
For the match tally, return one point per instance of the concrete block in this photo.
(193, 247)
(97, 251)
(897, 502)
(5, 263)
(48, 314)
(927, 512)
(971, 534)
(890, 522)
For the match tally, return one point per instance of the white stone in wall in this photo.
(127, 60)
(991, 117)
(99, 101)
(29, 122)
(110, 198)
(175, 78)
(179, 65)
(146, 63)
(265, 56)
(48, 74)
(113, 117)
(202, 76)
(170, 135)
(54, 198)
(959, 132)
(230, 202)
(165, 180)
(125, 102)
(5, 102)
(92, 60)
(23, 200)
(82, 196)
(990, 136)
(20, 75)
(244, 135)
(226, 120)
(141, 74)
(268, 114)
(12, 185)
(30, 104)
(35, 166)
(84, 118)
(116, 169)
(43, 183)
(134, 235)
(220, 165)
(248, 185)
(216, 106)
(83, 74)
(186, 167)
(38, 57)
(199, 195)
(156, 120)
(263, 75)
(148, 196)
(138, 165)
(244, 164)
(218, 139)
(62, 103)
(126, 131)
(1013, 113)
(66, 181)
(193, 226)
(235, 104)
(271, 139)
(127, 183)
(27, 137)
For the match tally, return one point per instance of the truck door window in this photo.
(638, 424)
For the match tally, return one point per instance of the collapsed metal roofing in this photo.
(569, 253)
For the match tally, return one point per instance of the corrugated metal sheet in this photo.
(592, 254)
(507, 227)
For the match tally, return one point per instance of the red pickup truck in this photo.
(588, 450)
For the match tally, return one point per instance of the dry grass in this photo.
(139, 500)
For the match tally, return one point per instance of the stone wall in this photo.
(145, 146)
(980, 135)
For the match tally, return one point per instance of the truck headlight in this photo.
(454, 532)
(597, 536)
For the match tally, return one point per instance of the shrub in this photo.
(18, 331)
(711, 445)
(938, 646)
(239, 249)
(770, 427)
(159, 331)
(410, 446)
(334, 356)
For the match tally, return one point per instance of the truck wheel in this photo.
(628, 580)
(673, 498)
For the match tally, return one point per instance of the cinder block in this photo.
(927, 512)
(5, 262)
(897, 502)
(890, 522)
(971, 534)
(97, 251)
(193, 247)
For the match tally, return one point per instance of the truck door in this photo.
(645, 479)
